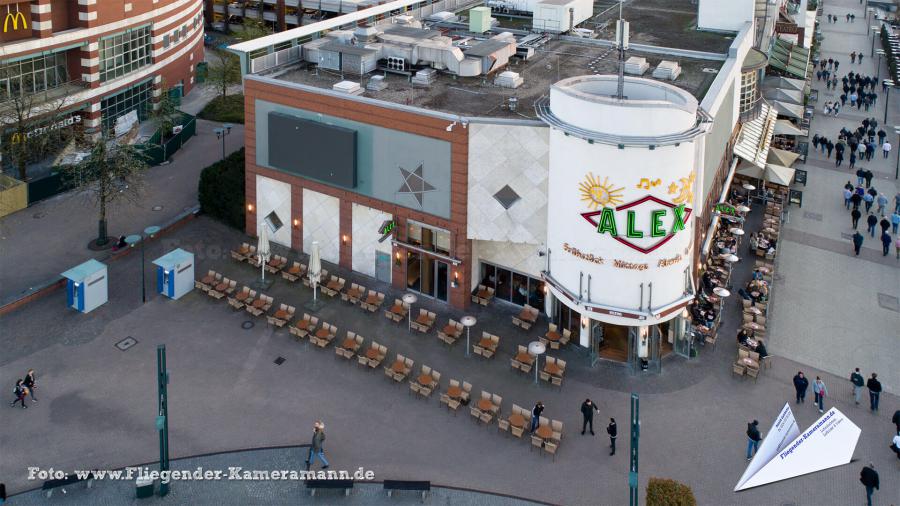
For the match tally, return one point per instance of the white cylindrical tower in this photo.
(623, 175)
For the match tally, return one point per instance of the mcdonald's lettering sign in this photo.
(15, 17)
(65, 122)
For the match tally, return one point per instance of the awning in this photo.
(784, 83)
(779, 175)
(750, 170)
(787, 96)
(782, 157)
(788, 110)
(789, 58)
(785, 127)
(756, 136)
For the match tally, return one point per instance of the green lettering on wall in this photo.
(630, 231)
(607, 222)
(656, 229)
(679, 219)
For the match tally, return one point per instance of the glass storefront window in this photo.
(429, 238)
(32, 75)
(124, 53)
(512, 286)
(136, 98)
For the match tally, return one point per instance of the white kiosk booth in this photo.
(175, 273)
(86, 286)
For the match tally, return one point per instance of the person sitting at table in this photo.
(761, 349)
(757, 275)
(706, 279)
(754, 241)
(742, 337)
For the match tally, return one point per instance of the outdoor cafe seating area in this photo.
(369, 355)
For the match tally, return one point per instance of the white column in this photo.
(584, 337)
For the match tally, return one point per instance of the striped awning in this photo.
(756, 137)
(789, 58)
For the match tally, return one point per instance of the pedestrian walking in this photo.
(853, 57)
(613, 432)
(868, 175)
(800, 385)
(870, 150)
(852, 159)
(857, 242)
(882, 202)
(820, 392)
(859, 58)
(317, 447)
(895, 445)
(855, 215)
(897, 248)
(847, 194)
(858, 382)
(896, 420)
(874, 387)
(536, 415)
(829, 147)
(838, 158)
(860, 176)
(897, 202)
(871, 221)
(868, 199)
(895, 222)
(885, 225)
(881, 135)
(20, 391)
(30, 384)
(588, 409)
(869, 478)
(885, 243)
(848, 17)
(886, 148)
(753, 438)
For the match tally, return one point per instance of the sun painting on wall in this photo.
(598, 194)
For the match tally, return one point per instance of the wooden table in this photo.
(353, 293)
(450, 330)
(398, 310)
(527, 316)
(242, 296)
(372, 299)
(207, 280)
(454, 392)
(281, 314)
(322, 333)
(544, 432)
(517, 420)
(258, 303)
(294, 269)
(243, 251)
(372, 353)
(221, 287)
(486, 343)
(398, 366)
(524, 358)
(483, 294)
(334, 285)
(302, 324)
(553, 335)
(349, 344)
(425, 380)
(275, 263)
(552, 369)
(485, 405)
(749, 362)
(423, 319)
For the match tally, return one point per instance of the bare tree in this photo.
(29, 121)
(112, 171)
(252, 29)
(224, 71)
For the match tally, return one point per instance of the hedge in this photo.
(227, 109)
(221, 190)
(666, 492)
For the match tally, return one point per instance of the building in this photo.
(442, 160)
(84, 64)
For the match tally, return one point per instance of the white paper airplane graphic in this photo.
(787, 453)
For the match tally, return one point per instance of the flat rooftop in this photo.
(478, 96)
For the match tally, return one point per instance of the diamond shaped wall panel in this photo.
(366, 224)
(272, 195)
(321, 222)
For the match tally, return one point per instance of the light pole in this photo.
(897, 169)
(635, 437)
(887, 96)
(149, 233)
(409, 299)
(162, 417)
(468, 322)
(221, 133)
(880, 53)
(874, 31)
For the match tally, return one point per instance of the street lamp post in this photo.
(221, 133)
(880, 53)
(897, 169)
(162, 417)
(410, 299)
(887, 96)
(635, 437)
(149, 233)
(874, 31)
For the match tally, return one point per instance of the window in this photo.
(33, 75)
(512, 286)
(166, 40)
(136, 98)
(431, 239)
(124, 53)
(274, 222)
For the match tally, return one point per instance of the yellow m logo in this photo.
(16, 138)
(15, 16)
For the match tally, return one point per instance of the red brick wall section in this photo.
(346, 226)
(41, 22)
(296, 217)
(388, 118)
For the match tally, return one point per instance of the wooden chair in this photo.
(293, 277)
(467, 391)
(737, 369)
(503, 424)
(237, 255)
(239, 304)
(276, 264)
(536, 442)
(451, 338)
(566, 337)
(551, 449)
(752, 372)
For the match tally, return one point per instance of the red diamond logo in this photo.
(591, 217)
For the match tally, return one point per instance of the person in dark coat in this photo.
(536, 415)
(881, 135)
(896, 420)
(857, 242)
(874, 387)
(868, 175)
(588, 409)
(317, 448)
(829, 147)
(613, 432)
(869, 478)
(856, 200)
(871, 221)
(855, 214)
(885, 224)
(885, 243)
(753, 438)
(800, 385)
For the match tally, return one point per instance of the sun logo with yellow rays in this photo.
(598, 194)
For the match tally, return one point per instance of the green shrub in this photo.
(666, 492)
(221, 190)
(227, 109)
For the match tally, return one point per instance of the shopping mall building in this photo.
(440, 157)
(85, 63)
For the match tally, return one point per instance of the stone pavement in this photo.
(97, 404)
(844, 310)
(43, 240)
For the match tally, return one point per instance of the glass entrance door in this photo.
(643, 349)
(427, 276)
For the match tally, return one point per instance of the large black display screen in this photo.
(312, 149)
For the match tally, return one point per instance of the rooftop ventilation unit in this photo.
(636, 66)
(667, 70)
(424, 77)
(508, 79)
(376, 83)
(348, 87)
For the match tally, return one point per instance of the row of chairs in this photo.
(451, 332)
(424, 321)
(212, 289)
(325, 340)
(334, 285)
(526, 318)
(465, 394)
(425, 389)
(349, 352)
(487, 346)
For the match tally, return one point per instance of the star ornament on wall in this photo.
(414, 184)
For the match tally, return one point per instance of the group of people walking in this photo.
(25, 388)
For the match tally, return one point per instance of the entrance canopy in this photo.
(789, 58)
(756, 136)
(788, 109)
(785, 127)
(782, 157)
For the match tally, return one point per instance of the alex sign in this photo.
(643, 225)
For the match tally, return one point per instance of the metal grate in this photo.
(889, 302)
(247, 325)
(507, 197)
(279, 360)
(126, 343)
